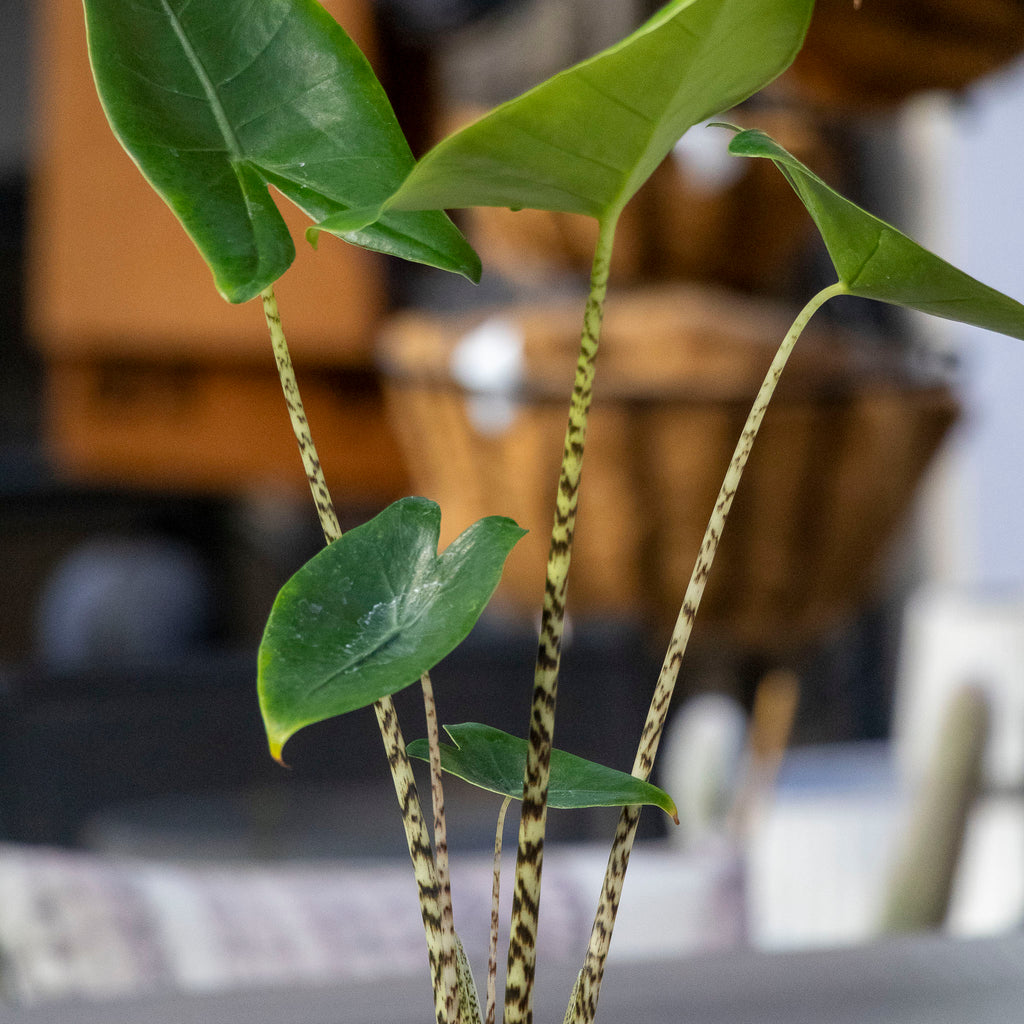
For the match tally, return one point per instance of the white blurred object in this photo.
(489, 363)
(818, 857)
(702, 154)
(820, 863)
(700, 763)
(952, 638)
(988, 897)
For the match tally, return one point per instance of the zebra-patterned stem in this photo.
(469, 999)
(450, 973)
(583, 1004)
(573, 999)
(522, 953)
(297, 414)
(420, 851)
(416, 833)
(492, 953)
(601, 934)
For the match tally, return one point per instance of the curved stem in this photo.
(526, 897)
(416, 834)
(300, 425)
(618, 860)
(492, 953)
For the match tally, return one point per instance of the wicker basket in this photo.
(839, 456)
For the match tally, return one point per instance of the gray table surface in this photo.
(921, 980)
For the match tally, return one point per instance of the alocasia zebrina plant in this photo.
(219, 102)
(583, 142)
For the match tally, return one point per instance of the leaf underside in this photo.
(585, 140)
(874, 260)
(368, 615)
(215, 100)
(494, 760)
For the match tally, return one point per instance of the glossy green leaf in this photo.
(494, 760)
(217, 99)
(876, 261)
(372, 612)
(585, 140)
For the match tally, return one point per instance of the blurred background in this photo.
(152, 501)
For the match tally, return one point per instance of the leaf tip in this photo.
(240, 292)
(473, 270)
(276, 752)
(346, 222)
(668, 805)
(276, 739)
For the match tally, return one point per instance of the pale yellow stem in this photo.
(522, 948)
(492, 955)
(417, 836)
(618, 860)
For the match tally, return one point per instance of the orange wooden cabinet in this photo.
(121, 304)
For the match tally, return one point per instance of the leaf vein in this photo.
(212, 96)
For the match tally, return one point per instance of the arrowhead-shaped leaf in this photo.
(585, 140)
(876, 261)
(216, 99)
(494, 760)
(372, 612)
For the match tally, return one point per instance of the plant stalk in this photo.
(492, 952)
(529, 861)
(449, 945)
(618, 860)
(443, 970)
(300, 425)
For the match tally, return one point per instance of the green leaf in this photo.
(372, 612)
(217, 99)
(495, 761)
(585, 140)
(876, 261)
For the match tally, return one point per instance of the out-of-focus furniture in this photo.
(152, 378)
(846, 850)
(923, 872)
(851, 847)
(76, 925)
(109, 738)
(954, 636)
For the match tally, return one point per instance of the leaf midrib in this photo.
(628, 186)
(388, 637)
(234, 147)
